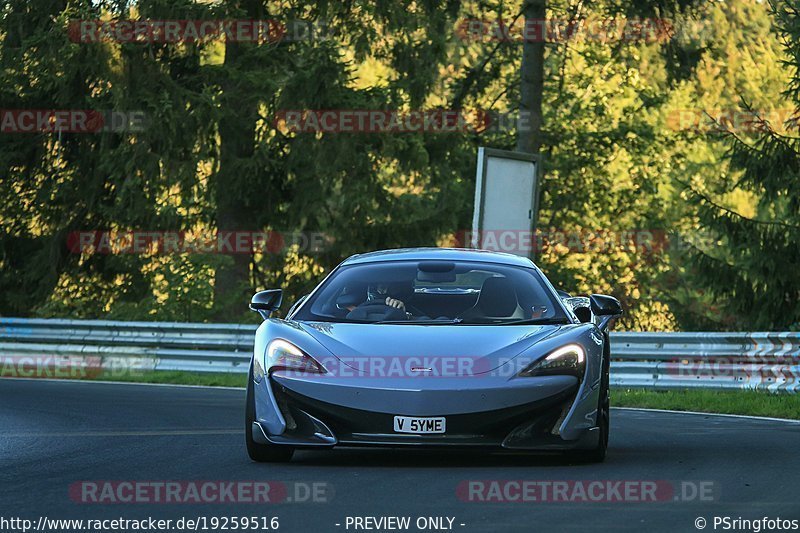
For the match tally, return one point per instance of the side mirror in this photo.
(265, 302)
(603, 305)
(606, 307)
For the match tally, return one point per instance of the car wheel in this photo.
(598, 454)
(262, 453)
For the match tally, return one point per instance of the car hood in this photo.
(442, 350)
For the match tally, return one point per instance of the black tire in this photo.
(261, 453)
(598, 454)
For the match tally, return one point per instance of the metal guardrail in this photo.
(764, 361)
(768, 361)
(101, 345)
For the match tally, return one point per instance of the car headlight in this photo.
(569, 360)
(283, 355)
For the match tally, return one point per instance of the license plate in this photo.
(412, 424)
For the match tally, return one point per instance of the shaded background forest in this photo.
(618, 154)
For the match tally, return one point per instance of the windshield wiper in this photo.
(433, 321)
(522, 322)
(535, 321)
(462, 322)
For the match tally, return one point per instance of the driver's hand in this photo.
(391, 302)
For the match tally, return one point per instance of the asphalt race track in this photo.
(56, 435)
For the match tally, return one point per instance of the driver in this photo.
(377, 293)
(380, 293)
(362, 300)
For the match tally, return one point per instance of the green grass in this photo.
(754, 403)
(182, 378)
(709, 401)
(172, 377)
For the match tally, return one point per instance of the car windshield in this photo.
(433, 292)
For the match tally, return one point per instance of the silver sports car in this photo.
(431, 347)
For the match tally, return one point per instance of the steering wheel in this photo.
(376, 310)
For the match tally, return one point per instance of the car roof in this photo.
(445, 254)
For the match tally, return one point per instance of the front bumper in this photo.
(546, 413)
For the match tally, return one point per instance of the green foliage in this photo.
(213, 156)
(749, 267)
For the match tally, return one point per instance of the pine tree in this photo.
(750, 267)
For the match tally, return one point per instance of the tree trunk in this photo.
(529, 134)
(231, 184)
